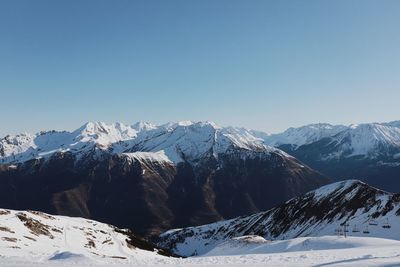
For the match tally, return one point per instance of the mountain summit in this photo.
(370, 151)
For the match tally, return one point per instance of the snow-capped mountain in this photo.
(348, 207)
(40, 237)
(370, 152)
(303, 135)
(193, 139)
(369, 139)
(179, 141)
(23, 147)
(173, 175)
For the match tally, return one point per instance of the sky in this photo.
(265, 65)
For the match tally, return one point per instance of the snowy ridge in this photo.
(182, 141)
(38, 237)
(368, 140)
(190, 141)
(320, 212)
(20, 148)
(304, 135)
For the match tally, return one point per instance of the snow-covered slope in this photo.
(303, 135)
(180, 141)
(334, 141)
(370, 151)
(253, 244)
(37, 237)
(325, 211)
(370, 140)
(247, 251)
(23, 147)
(190, 141)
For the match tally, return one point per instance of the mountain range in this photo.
(149, 178)
(197, 188)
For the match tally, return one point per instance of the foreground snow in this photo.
(254, 251)
(28, 237)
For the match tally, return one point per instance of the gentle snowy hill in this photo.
(40, 237)
(245, 245)
(364, 210)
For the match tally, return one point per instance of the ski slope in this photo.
(315, 251)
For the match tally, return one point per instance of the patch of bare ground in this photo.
(56, 230)
(37, 228)
(30, 238)
(108, 241)
(9, 239)
(118, 257)
(41, 214)
(6, 229)
(4, 212)
(90, 244)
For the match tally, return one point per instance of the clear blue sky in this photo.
(265, 65)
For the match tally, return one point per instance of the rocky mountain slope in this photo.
(370, 152)
(350, 207)
(149, 178)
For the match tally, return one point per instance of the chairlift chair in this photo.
(366, 231)
(355, 229)
(373, 222)
(386, 225)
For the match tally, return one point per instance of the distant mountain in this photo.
(351, 206)
(149, 178)
(370, 152)
(303, 135)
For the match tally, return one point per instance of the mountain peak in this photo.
(184, 140)
(304, 134)
(317, 213)
(143, 126)
(369, 139)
